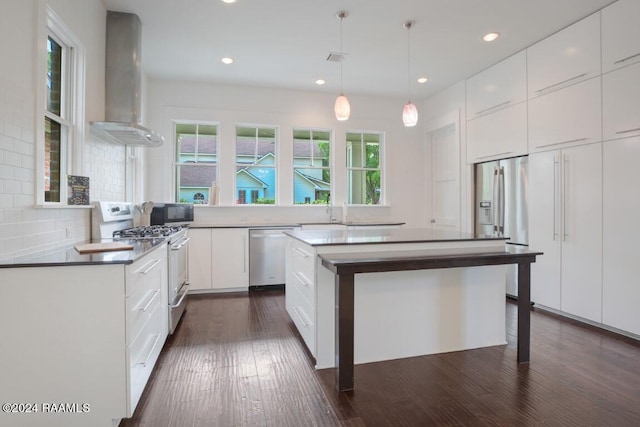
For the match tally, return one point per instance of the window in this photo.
(255, 164)
(311, 166)
(196, 161)
(364, 168)
(61, 109)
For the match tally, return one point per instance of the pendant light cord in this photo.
(341, 51)
(408, 27)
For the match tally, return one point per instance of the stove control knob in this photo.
(115, 209)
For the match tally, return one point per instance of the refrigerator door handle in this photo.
(565, 198)
(556, 173)
(494, 201)
(501, 201)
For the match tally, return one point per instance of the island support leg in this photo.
(344, 284)
(524, 311)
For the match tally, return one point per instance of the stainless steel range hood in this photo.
(123, 84)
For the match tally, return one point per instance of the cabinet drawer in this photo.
(303, 257)
(143, 354)
(140, 308)
(305, 286)
(498, 135)
(147, 271)
(303, 315)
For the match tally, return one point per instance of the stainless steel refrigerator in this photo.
(501, 205)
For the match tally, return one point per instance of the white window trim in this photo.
(381, 166)
(176, 163)
(71, 151)
(276, 167)
(330, 167)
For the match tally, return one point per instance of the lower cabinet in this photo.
(621, 263)
(565, 222)
(300, 294)
(219, 259)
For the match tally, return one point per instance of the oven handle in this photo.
(178, 245)
(181, 298)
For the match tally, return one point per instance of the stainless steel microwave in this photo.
(165, 213)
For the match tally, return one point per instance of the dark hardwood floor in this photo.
(236, 360)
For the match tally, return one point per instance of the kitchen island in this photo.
(424, 292)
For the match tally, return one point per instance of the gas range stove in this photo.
(149, 231)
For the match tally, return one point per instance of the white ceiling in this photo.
(285, 43)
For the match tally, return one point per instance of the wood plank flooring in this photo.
(236, 360)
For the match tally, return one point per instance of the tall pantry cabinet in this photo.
(621, 158)
(565, 223)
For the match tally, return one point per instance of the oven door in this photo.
(178, 280)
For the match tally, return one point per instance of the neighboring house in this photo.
(255, 181)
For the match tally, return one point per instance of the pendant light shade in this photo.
(342, 108)
(409, 114)
(409, 111)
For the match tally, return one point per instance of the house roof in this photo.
(197, 176)
(317, 183)
(246, 146)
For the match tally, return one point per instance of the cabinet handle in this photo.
(244, 254)
(304, 282)
(619, 61)
(493, 155)
(153, 297)
(184, 295)
(627, 131)
(145, 362)
(302, 253)
(180, 244)
(304, 322)
(561, 83)
(561, 142)
(502, 104)
(153, 264)
(565, 196)
(556, 167)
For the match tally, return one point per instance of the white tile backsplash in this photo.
(25, 229)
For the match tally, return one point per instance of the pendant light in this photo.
(341, 108)
(409, 112)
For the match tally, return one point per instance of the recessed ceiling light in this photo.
(320, 82)
(227, 60)
(489, 37)
(422, 80)
(229, 1)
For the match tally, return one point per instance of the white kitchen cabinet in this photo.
(146, 304)
(621, 102)
(565, 222)
(498, 135)
(300, 295)
(620, 34)
(621, 266)
(200, 277)
(571, 116)
(564, 58)
(500, 86)
(230, 258)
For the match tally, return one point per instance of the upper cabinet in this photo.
(500, 86)
(499, 135)
(565, 58)
(620, 34)
(571, 116)
(621, 103)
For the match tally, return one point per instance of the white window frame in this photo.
(72, 101)
(176, 153)
(330, 167)
(381, 166)
(275, 167)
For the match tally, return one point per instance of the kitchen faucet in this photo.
(329, 208)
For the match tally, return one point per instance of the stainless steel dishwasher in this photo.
(266, 256)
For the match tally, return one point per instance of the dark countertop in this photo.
(385, 235)
(67, 256)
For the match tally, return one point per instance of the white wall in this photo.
(25, 229)
(229, 105)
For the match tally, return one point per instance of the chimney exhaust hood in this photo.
(123, 84)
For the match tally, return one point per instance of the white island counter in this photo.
(397, 313)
